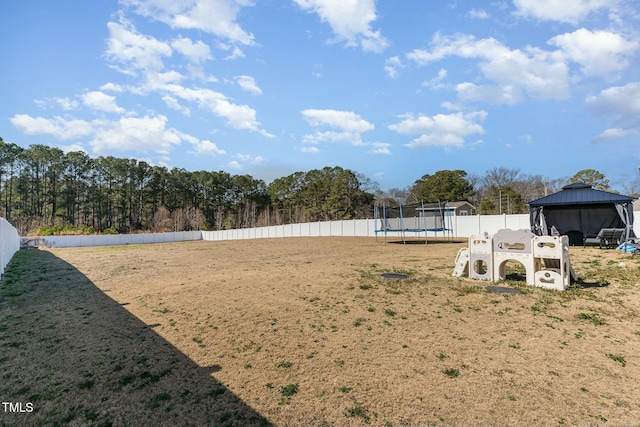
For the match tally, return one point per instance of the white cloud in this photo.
(621, 102)
(350, 21)
(478, 14)
(615, 133)
(238, 116)
(236, 53)
(618, 100)
(248, 84)
(248, 158)
(100, 101)
(310, 149)
(443, 130)
(598, 52)
(135, 134)
(147, 134)
(349, 126)
(66, 103)
(391, 66)
(466, 46)
(380, 148)
(72, 147)
(505, 94)
(538, 73)
(569, 11)
(58, 127)
(217, 17)
(134, 51)
(174, 104)
(197, 52)
(257, 160)
(345, 120)
(436, 82)
(155, 81)
(234, 164)
(207, 148)
(515, 74)
(333, 137)
(112, 87)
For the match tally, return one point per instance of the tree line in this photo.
(500, 190)
(44, 190)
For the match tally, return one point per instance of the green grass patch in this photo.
(617, 358)
(592, 317)
(284, 365)
(452, 372)
(289, 390)
(357, 411)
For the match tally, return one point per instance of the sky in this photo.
(390, 89)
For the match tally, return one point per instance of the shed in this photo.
(457, 208)
(580, 210)
(439, 215)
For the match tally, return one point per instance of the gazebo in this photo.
(580, 210)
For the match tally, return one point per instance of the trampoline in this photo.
(417, 219)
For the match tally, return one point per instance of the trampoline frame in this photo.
(445, 216)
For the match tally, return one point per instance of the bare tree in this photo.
(162, 220)
(500, 177)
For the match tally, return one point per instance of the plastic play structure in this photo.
(416, 218)
(545, 258)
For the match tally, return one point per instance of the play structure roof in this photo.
(580, 194)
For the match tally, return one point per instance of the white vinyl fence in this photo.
(111, 239)
(348, 228)
(463, 227)
(9, 243)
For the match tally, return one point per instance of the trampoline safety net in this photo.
(413, 218)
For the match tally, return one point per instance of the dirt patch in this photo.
(306, 331)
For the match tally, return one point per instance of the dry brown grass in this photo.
(305, 331)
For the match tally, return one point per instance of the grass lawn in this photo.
(306, 331)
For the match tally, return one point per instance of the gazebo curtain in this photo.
(579, 221)
(625, 210)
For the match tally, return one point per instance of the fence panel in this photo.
(325, 228)
(465, 226)
(517, 222)
(9, 243)
(348, 228)
(365, 228)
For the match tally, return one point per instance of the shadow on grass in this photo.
(581, 284)
(521, 278)
(74, 356)
(430, 241)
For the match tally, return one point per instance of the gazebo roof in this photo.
(580, 194)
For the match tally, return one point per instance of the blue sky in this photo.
(390, 89)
